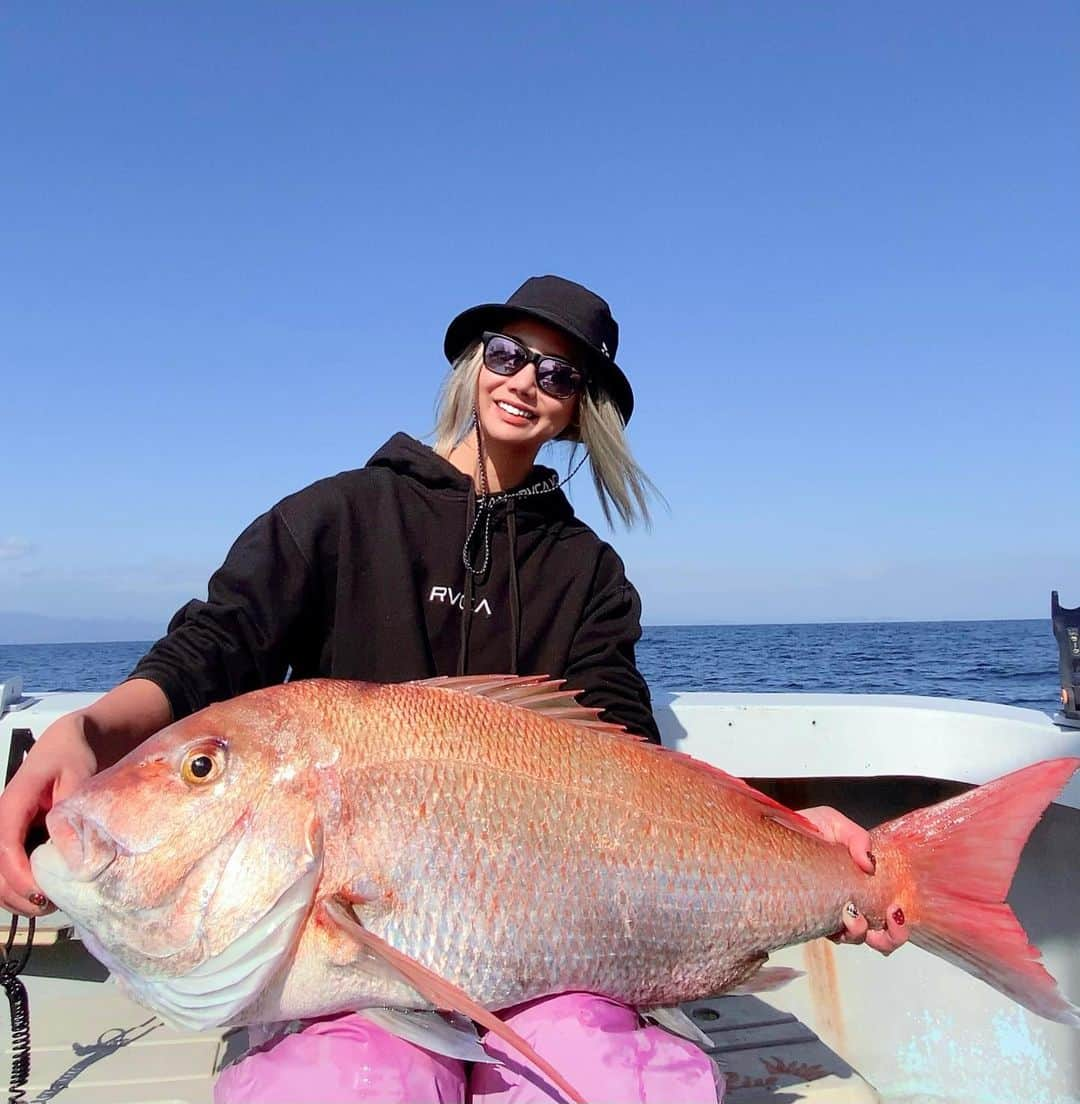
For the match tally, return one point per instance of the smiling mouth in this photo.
(516, 411)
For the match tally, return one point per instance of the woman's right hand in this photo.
(72, 749)
(58, 763)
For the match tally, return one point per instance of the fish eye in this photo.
(202, 765)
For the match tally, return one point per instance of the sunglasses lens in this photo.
(558, 379)
(503, 356)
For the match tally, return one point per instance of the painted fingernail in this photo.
(38, 899)
(898, 917)
(851, 910)
(871, 858)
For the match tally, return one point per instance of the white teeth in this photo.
(514, 410)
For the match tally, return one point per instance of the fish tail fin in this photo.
(962, 855)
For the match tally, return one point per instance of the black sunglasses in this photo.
(506, 356)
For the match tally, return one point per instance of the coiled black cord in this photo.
(19, 1005)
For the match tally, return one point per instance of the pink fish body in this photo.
(489, 834)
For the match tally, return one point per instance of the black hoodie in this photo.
(361, 576)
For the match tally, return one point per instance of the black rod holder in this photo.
(1066, 623)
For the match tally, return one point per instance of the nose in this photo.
(84, 845)
(524, 382)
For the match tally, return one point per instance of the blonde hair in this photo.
(620, 482)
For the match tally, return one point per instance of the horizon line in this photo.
(645, 625)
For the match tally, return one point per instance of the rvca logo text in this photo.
(457, 598)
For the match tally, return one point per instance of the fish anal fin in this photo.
(672, 1018)
(441, 992)
(765, 980)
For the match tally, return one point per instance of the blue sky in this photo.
(840, 240)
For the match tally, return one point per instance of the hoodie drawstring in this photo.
(515, 590)
(475, 509)
(472, 515)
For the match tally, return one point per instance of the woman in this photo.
(462, 559)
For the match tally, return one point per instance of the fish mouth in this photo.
(83, 845)
(78, 870)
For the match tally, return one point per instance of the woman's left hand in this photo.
(837, 828)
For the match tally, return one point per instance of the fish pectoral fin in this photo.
(457, 1039)
(440, 992)
(675, 1020)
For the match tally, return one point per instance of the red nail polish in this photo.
(871, 858)
(898, 917)
(38, 899)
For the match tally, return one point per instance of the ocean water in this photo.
(1010, 662)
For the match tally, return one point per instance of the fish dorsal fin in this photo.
(537, 693)
(544, 695)
(770, 808)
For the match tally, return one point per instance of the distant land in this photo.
(36, 628)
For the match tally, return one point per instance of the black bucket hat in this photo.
(577, 312)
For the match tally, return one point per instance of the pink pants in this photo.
(596, 1044)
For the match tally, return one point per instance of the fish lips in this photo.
(84, 847)
(53, 875)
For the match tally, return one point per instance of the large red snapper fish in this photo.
(469, 844)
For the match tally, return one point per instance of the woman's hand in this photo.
(837, 828)
(58, 763)
(68, 752)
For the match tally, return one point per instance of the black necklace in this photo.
(486, 501)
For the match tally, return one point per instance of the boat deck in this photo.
(91, 1045)
(772, 1056)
